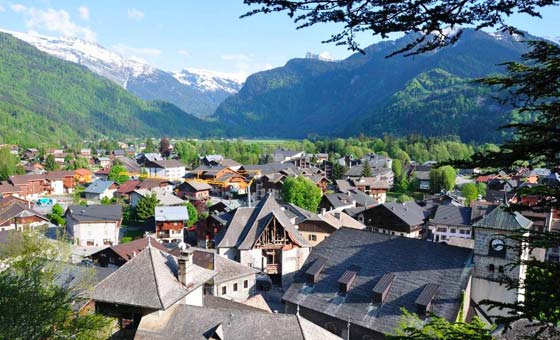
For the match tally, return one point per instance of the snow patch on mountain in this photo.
(210, 81)
(324, 56)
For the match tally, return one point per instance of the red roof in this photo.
(82, 172)
(128, 250)
(485, 179)
(128, 187)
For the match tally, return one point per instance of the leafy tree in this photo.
(164, 147)
(302, 192)
(146, 207)
(338, 171)
(193, 213)
(50, 163)
(150, 147)
(366, 170)
(412, 327)
(78, 163)
(397, 168)
(118, 174)
(106, 201)
(470, 191)
(404, 198)
(57, 209)
(382, 17)
(481, 188)
(37, 299)
(8, 164)
(442, 178)
(532, 87)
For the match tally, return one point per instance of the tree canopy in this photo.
(118, 174)
(302, 192)
(146, 207)
(442, 178)
(380, 17)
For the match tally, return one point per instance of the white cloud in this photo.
(184, 53)
(18, 8)
(135, 14)
(137, 52)
(53, 21)
(84, 12)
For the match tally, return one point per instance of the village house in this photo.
(124, 190)
(142, 158)
(451, 222)
(152, 281)
(263, 237)
(117, 255)
(224, 181)
(315, 228)
(170, 223)
(49, 183)
(368, 185)
(171, 169)
(15, 214)
(208, 228)
(233, 321)
(164, 197)
(103, 174)
(151, 183)
(194, 190)
(352, 198)
(7, 189)
(94, 225)
(30, 154)
(100, 189)
(82, 176)
(358, 282)
(282, 155)
(403, 219)
(378, 174)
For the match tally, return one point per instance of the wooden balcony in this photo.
(272, 269)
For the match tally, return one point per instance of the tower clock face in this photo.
(497, 248)
(497, 245)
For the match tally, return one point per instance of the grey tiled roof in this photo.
(502, 219)
(149, 280)
(98, 187)
(230, 270)
(415, 263)
(409, 212)
(191, 322)
(95, 213)
(248, 223)
(452, 215)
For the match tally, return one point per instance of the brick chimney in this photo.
(185, 271)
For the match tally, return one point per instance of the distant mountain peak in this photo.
(193, 90)
(324, 56)
(207, 80)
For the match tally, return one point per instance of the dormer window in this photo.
(381, 289)
(312, 273)
(424, 300)
(347, 279)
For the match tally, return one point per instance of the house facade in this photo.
(449, 222)
(170, 223)
(401, 219)
(264, 238)
(171, 169)
(94, 225)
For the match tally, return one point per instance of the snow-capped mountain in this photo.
(195, 91)
(206, 80)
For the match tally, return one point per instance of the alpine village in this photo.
(408, 189)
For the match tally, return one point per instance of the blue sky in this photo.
(204, 34)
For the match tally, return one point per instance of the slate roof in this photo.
(409, 212)
(502, 219)
(340, 219)
(247, 224)
(230, 270)
(415, 263)
(130, 249)
(98, 187)
(345, 199)
(191, 322)
(165, 164)
(128, 187)
(452, 215)
(164, 197)
(164, 213)
(149, 280)
(193, 186)
(12, 208)
(95, 213)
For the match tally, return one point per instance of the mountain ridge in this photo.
(201, 95)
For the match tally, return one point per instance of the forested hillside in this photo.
(431, 94)
(45, 99)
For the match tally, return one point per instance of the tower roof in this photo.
(502, 219)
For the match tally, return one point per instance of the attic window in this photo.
(381, 289)
(424, 300)
(312, 273)
(346, 280)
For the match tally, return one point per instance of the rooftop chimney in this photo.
(381, 289)
(313, 272)
(424, 300)
(185, 276)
